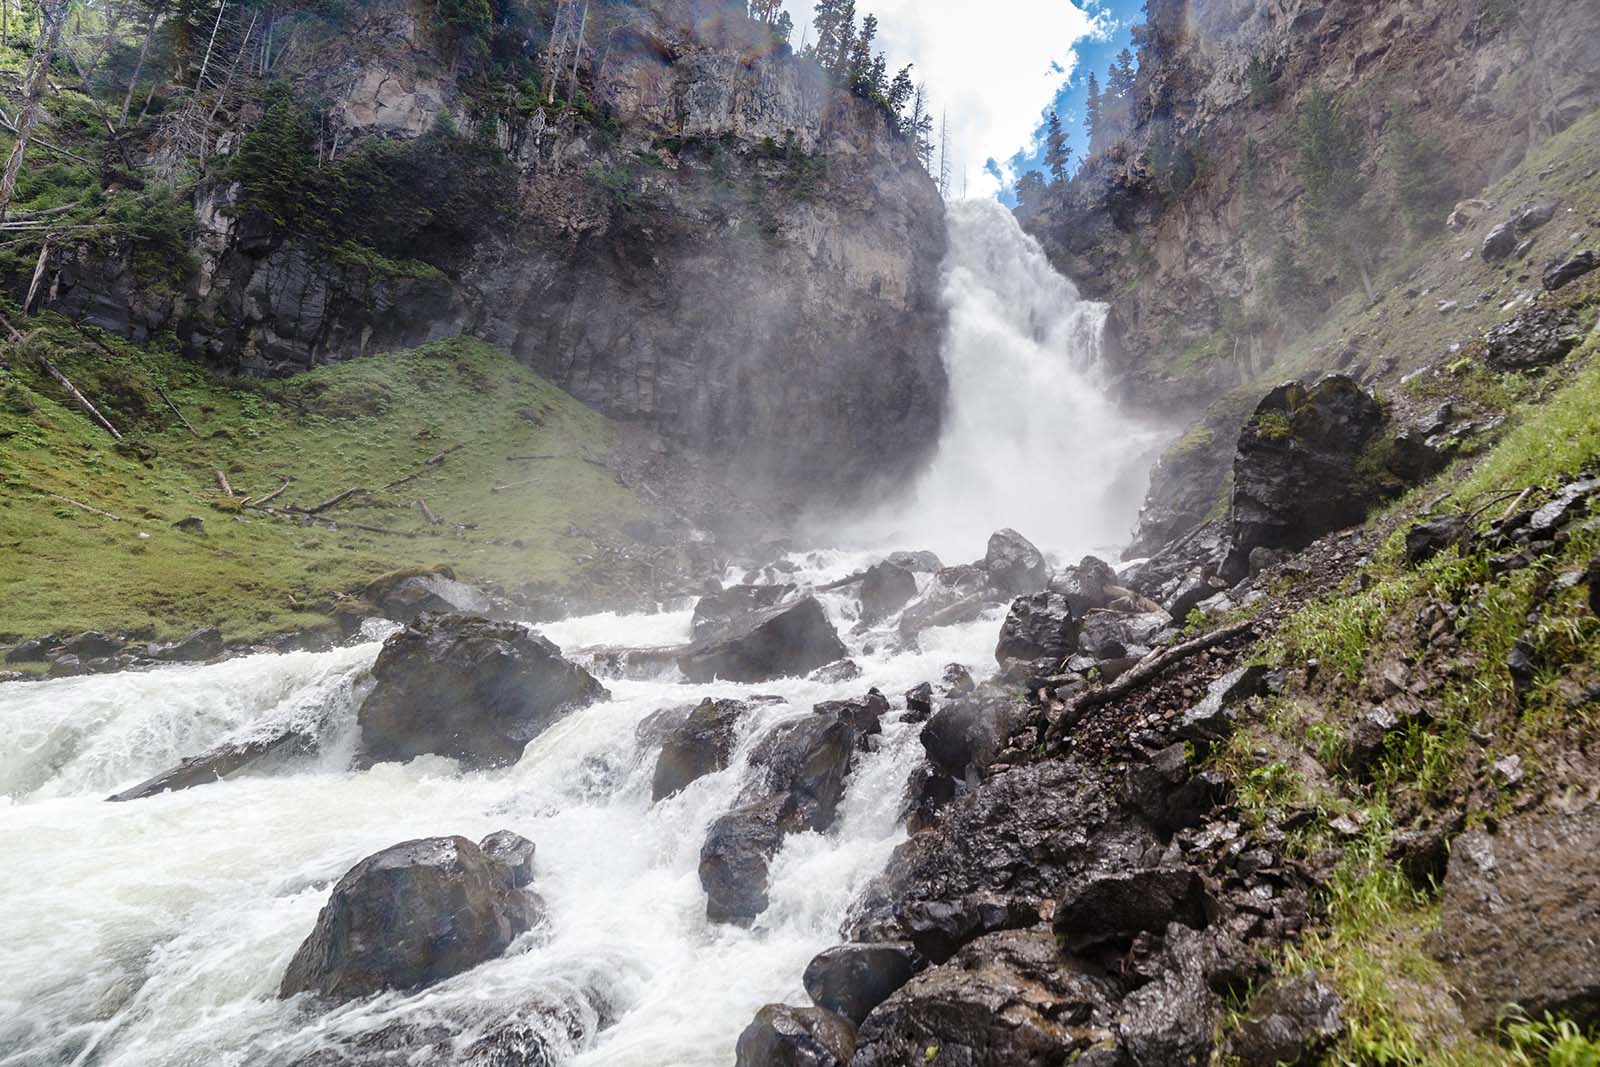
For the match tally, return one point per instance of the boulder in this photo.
(411, 915)
(919, 702)
(1519, 922)
(864, 714)
(1499, 242)
(733, 861)
(404, 598)
(964, 736)
(1211, 720)
(513, 853)
(1005, 999)
(1086, 585)
(1107, 634)
(783, 1036)
(1165, 791)
(1112, 909)
(1295, 471)
(1169, 1022)
(1428, 538)
(1014, 566)
(916, 562)
(850, 980)
(33, 650)
(1570, 269)
(714, 612)
(885, 589)
(468, 688)
(699, 745)
(223, 761)
(196, 647)
(1042, 626)
(1290, 1023)
(92, 644)
(786, 640)
(836, 673)
(927, 790)
(1532, 215)
(1537, 337)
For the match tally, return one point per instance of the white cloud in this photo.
(993, 66)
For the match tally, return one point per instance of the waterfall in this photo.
(1031, 439)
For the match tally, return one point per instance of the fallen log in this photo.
(175, 410)
(427, 513)
(371, 529)
(270, 496)
(85, 507)
(72, 391)
(222, 480)
(432, 461)
(526, 459)
(331, 502)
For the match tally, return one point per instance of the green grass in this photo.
(367, 422)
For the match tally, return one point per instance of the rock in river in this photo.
(465, 687)
(787, 640)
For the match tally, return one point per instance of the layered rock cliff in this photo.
(710, 240)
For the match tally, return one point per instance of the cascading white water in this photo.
(155, 933)
(1031, 440)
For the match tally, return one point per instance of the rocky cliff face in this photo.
(717, 244)
(1180, 224)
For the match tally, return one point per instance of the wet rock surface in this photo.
(699, 745)
(850, 980)
(783, 1036)
(468, 688)
(1290, 1022)
(1519, 923)
(1014, 566)
(885, 589)
(1535, 338)
(787, 640)
(411, 915)
(1042, 626)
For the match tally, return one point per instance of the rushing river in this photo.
(155, 933)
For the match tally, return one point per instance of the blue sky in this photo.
(996, 67)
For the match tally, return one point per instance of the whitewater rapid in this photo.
(155, 933)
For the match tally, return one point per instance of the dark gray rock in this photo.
(411, 915)
(1015, 567)
(1211, 720)
(92, 644)
(783, 1036)
(65, 665)
(806, 761)
(33, 650)
(1112, 909)
(1169, 1022)
(698, 746)
(1593, 578)
(1568, 502)
(787, 640)
(734, 859)
(512, 852)
(1295, 472)
(467, 688)
(1570, 269)
(1087, 585)
(850, 980)
(1537, 337)
(1169, 794)
(885, 589)
(1006, 998)
(1042, 626)
(927, 790)
(837, 672)
(1109, 634)
(1520, 922)
(419, 594)
(1499, 242)
(1532, 215)
(1290, 1023)
(223, 761)
(201, 645)
(864, 714)
(715, 612)
(919, 702)
(965, 735)
(916, 562)
(1428, 538)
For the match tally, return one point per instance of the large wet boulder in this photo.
(1536, 337)
(784, 1036)
(414, 914)
(699, 745)
(1570, 269)
(1015, 567)
(965, 735)
(1295, 473)
(1042, 626)
(885, 589)
(786, 640)
(403, 596)
(195, 647)
(797, 782)
(850, 980)
(1088, 584)
(1520, 918)
(715, 612)
(224, 761)
(468, 688)
(1007, 998)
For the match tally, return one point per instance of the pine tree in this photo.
(1122, 74)
(1091, 114)
(1031, 190)
(847, 42)
(919, 127)
(826, 20)
(859, 74)
(900, 92)
(1056, 152)
(1329, 165)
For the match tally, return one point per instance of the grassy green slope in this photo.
(364, 423)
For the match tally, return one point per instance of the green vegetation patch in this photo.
(366, 424)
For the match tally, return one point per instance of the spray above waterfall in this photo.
(1031, 439)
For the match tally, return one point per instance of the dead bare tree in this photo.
(52, 14)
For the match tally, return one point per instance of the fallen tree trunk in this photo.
(331, 502)
(432, 461)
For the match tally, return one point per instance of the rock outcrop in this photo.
(698, 746)
(790, 639)
(781, 1036)
(468, 688)
(414, 914)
